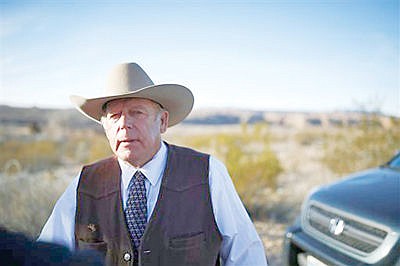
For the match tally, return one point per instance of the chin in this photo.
(125, 156)
(129, 158)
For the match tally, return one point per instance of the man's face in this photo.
(133, 128)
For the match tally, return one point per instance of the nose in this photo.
(124, 122)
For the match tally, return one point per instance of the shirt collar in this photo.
(153, 170)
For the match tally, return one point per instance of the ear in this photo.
(164, 119)
(105, 127)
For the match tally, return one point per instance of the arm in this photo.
(60, 227)
(241, 244)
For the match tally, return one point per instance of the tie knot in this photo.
(137, 179)
(138, 175)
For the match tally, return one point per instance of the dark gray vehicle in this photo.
(355, 221)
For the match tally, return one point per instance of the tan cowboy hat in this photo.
(130, 81)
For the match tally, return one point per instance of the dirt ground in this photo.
(303, 171)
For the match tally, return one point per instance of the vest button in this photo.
(127, 256)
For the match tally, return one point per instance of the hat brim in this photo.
(176, 99)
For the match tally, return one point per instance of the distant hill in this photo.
(71, 118)
(41, 116)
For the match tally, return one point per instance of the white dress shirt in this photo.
(241, 244)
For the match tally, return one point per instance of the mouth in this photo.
(125, 142)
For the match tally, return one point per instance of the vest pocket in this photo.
(186, 250)
(186, 241)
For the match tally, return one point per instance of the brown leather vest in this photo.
(182, 229)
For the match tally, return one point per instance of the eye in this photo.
(136, 113)
(113, 116)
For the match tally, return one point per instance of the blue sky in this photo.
(264, 55)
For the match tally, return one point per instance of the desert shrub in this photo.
(360, 147)
(29, 185)
(87, 146)
(308, 137)
(32, 154)
(248, 157)
(27, 200)
(38, 154)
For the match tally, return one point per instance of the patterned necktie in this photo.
(136, 208)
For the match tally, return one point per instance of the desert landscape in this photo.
(283, 154)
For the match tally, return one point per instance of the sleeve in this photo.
(60, 227)
(241, 244)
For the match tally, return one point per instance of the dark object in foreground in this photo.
(355, 221)
(16, 249)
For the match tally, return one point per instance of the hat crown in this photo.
(126, 78)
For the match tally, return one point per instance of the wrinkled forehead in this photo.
(130, 103)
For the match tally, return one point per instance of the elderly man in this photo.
(152, 203)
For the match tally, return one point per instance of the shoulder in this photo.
(180, 150)
(218, 168)
(187, 156)
(217, 164)
(100, 177)
(100, 168)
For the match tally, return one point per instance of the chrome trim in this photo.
(383, 245)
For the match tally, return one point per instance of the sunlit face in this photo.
(133, 127)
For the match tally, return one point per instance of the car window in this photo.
(395, 163)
